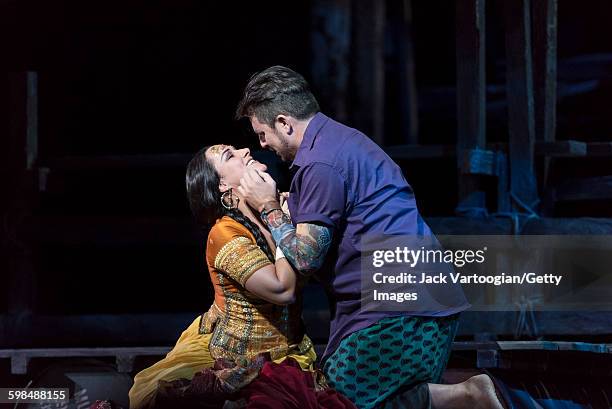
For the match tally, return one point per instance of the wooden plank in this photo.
(474, 345)
(585, 189)
(146, 328)
(100, 231)
(48, 331)
(20, 276)
(82, 352)
(586, 67)
(420, 151)
(330, 46)
(409, 115)
(553, 346)
(487, 359)
(124, 357)
(558, 149)
(478, 162)
(502, 225)
(32, 119)
(519, 85)
(409, 151)
(561, 149)
(471, 96)
(19, 364)
(578, 324)
(603, 149)
(167, 160)
(503, 198)
(369, 69)
(76, 231)
(544, 26)
(558, 225)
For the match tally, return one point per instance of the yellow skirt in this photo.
(189, 356)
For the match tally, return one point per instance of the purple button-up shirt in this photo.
(343, 180)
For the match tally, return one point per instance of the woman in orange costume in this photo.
(255, 320)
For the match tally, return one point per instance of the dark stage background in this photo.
(113, 235)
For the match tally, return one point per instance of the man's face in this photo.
(274, 139)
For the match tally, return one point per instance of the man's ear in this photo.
(284, 124)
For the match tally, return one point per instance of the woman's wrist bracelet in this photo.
(264, 213)
(279, 254)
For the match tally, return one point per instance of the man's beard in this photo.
(285, 153)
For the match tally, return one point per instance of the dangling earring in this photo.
(228, 200)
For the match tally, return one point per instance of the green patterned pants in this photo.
(372, 365)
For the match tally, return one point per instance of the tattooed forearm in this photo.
(305, 247)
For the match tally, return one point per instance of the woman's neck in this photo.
(248, 211)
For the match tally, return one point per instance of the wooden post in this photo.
(544, 25)
(31, 119)
(519, 83)
(409, 117)
(369, 70)
(471, 98)
(331, 41)
(23, 135)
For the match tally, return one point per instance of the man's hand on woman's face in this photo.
(258, 188)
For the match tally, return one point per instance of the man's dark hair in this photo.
(277, 91)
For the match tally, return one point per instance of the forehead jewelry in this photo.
(217, 149)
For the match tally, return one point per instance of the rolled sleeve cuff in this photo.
(314, 218)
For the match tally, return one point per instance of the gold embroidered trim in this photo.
(240, 258)
(209, 319)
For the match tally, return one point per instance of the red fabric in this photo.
(286, 386)
(104, 404)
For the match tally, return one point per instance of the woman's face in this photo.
(231, 164)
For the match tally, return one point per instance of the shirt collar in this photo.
(310, 135)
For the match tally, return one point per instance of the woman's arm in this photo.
(274, 283)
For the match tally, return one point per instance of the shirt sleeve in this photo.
(322, 196)
(233, 252)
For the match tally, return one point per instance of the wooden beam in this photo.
(471, 96)
(519, 84)
(409, 118)
(369, 69)
(478, 162)
(330, 46)
(603, 149)
(32, 119)
(561, 149)
(100, 231)
(553, 346)
(411, 151)
(124, 357)
(544, 26)
(562, 323)
(77, 231)
(168, 160)
(503, 226)
(558, 149)
(596, 188)
(420, 151)
(20, 280)
(504, 204)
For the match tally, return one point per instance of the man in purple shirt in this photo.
(343, 188)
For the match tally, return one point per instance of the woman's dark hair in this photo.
(274, 91)
(202, 182)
